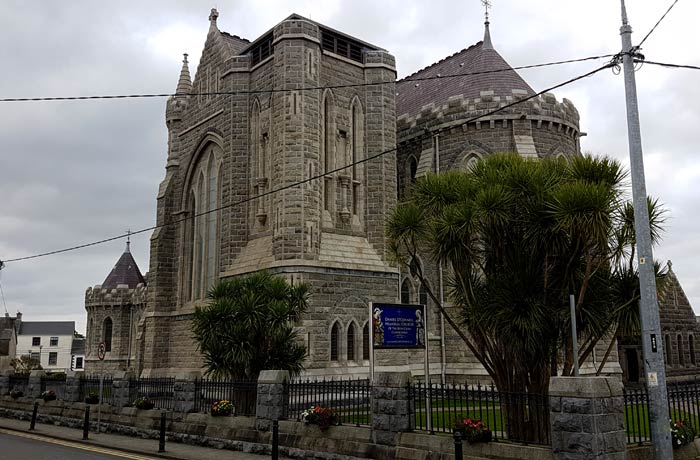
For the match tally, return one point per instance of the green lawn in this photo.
(637, 420)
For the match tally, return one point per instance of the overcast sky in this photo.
(74, 172)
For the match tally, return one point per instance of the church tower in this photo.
(274, 164)
(114, 309)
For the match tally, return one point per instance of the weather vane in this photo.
(487, 5)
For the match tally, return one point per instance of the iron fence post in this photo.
(458, 445)
(86, 422)
(275, 439)
(161, 441)
(34, 412)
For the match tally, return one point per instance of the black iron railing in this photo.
(55, 383)
(19, 382)
(683, 406)
(90, 385)
(243, 395)
(348, 399)
(160, 390)
(517, 417)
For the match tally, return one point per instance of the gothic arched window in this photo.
(681, 358)
(365, 342)
(423, 295)
(667, 350)
(357, 154)
(469, 161)
(691, 349)
(202, 230)
(335, 341)
(107, 333)
(328, 152)
(405, 291)
(351, 342)
(412, 170)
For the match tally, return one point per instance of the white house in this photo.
(51, 342)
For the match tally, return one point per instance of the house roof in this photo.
(480, 67)
(47, 328)
(78, 346)
(125, 271)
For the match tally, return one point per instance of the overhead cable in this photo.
(285, 90)
(310, 179)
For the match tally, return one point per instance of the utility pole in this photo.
(652, 344)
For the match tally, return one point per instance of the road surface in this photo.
(25, 446)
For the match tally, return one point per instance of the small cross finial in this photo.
(214, 15)
(128, 240)
(487, 5)
(185, 55)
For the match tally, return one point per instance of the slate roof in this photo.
(78, 346)
(476, 58)
(125, 271)
(47, 328)
(235, 43)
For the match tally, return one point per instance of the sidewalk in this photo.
(144, 447)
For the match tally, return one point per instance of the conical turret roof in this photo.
(480, 68)
(184, 84)
(125, 271)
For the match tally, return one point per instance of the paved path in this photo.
(51, 442)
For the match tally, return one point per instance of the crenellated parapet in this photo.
(121, 295)
(544, 111)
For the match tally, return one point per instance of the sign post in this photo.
(401, 326)
(101, 353)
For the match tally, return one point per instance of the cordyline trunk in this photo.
(524, 402)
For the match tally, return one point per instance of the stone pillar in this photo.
(391, 406)
(120, 389)
(34, 385)
(184, 392)
(72, 391)
(587, 418)
(272, 399)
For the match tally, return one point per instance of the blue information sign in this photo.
(398, 326)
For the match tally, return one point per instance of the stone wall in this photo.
(587, 418)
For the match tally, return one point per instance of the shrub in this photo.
(682, 433)
(144, 403)
(15, 393)
(48, 395)
(222, 408)
(321, 416)
(473, 431)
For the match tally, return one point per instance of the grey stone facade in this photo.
(680, 331)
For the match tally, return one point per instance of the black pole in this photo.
(34, 412)
(161, 442)
(458, 445)
(86, 423)
(275, 440)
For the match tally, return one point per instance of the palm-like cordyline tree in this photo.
(518, 237)
(248, 326)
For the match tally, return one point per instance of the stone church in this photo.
(318, 113)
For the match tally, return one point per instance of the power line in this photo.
(310, 179)
(672, 66)
(657, 24)
(312, 88)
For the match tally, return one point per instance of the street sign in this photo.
(398, 326)
(101, 351)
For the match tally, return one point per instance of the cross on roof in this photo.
(487, 5)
